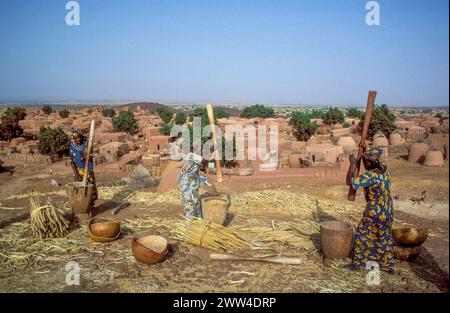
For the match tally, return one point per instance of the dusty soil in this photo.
(188, 268)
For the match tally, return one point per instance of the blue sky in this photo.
(248, 51)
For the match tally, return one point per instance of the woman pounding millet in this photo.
(78, 156)
(373, 239)
(189, 183)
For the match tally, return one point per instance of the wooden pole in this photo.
(214, 138)
(351, 196)
(88, 157)
(276, 259)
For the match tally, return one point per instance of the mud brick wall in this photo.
(29, 158)
(398, 150)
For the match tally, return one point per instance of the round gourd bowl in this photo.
(103, 229)
(149, 249)
(406, 253)
(409, 236)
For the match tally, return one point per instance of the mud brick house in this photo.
(324, 152)
(158, 143)
(114, 150)
(103, 135)
(150, 131)
(337, 133)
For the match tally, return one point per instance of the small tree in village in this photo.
(165, 129)
(221, 113)
(180, 118)
(316, 113)
(108, 112)
(383, 120)
(53, 141)
(125, 122)
(9, 123)
(333, 116)
(203, 114)
(354, 113)
(64, 113)
(165, 114)
(47, 109)
(257, 110)
(302, 125)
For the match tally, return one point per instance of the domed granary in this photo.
(348, 143)
(380, 140)
(417, 151)
(434, 158)
(395, 139)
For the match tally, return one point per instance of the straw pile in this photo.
(208, 235)
(269, 202)
(296, 233)
(139, 196)
(47, 221)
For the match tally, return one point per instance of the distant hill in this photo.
(232, 112)
(147, 106)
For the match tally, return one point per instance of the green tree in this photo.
(302, 124)
(47, 109)
(227, 163)
(165, 129)
(180, 118)
(333, 116)
(221, 113)
(64, 113)
(257, 110)
(53, 141)
(165, 114)
(382, 120)
(9, 123)
(125, 122)
(316, 113)
(108, 112)
(354, 113)
(203, 114)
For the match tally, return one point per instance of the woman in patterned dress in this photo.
(78, 155)
(373, 239)
(189, 184)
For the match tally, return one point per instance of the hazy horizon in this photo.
(122, 102)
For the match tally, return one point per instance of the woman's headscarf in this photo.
(77, 132)
(373, 153)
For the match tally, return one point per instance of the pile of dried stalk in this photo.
(208, 235)
(297, 233)
(283, 202)
(47, 221)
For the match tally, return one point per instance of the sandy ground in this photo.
(189, 268)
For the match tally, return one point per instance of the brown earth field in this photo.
(29, 264)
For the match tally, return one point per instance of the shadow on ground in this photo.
(426, 267)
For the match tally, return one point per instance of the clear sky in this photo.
(247, 51)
